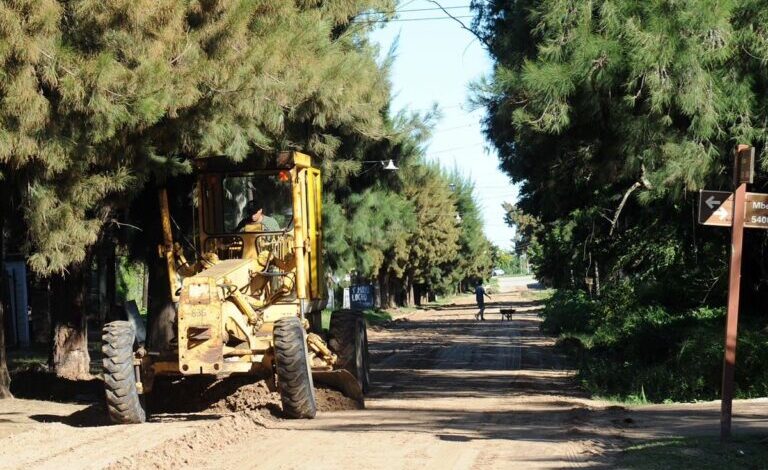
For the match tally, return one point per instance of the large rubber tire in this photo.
(294, 375)
(348, 338)
(124, 404)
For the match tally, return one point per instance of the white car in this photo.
(498, 272)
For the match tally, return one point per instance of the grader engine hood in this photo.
(201, 315)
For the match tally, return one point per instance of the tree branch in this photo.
(644, 182)
(644, 179)
(123, 224)
(463, 26)
(621, 206)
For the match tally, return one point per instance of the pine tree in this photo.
(610, 114)
(101, 97)
(434, 242)
(475, 256)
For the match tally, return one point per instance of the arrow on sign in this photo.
(721, 213)
(716, 208)
(712, 202)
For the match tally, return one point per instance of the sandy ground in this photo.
(449, 392)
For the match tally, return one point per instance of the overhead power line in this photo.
(400, 20)
(410, 10)
(435, 152)
(438, 130)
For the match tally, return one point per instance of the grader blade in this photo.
(341, 380)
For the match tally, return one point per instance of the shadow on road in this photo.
(459, 357)
(527, 304)
(35, 384)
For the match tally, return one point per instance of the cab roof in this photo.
(256, 162)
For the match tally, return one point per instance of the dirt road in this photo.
(448, 392)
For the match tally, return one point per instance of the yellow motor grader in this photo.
(251, 303)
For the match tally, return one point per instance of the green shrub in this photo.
(568, 311)
(627, 350)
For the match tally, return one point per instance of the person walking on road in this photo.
(480, 295)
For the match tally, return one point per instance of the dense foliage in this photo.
(611, 114)
(413, 232)
(628, 346)
(98, 97)
(103, 99)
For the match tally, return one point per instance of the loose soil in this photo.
(448, 392)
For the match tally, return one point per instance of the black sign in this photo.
(715, 208)
(361, 297)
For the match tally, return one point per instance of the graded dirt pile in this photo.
(175, 453)
(254, 396)
(257, 397)
(234, 394)
(333, 400)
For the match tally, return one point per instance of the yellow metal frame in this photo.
(202, 321)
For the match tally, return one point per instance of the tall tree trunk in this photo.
(418, 294)
(101, 288)
(396, 291)
(407, 291)
(5, 377)
(385, 290)
(40, 303)
(69, 355)
(110, 265)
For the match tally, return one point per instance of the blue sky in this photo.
(435, 62)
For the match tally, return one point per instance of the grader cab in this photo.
(250, 303)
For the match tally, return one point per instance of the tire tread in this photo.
(294, 376)
(124, 404)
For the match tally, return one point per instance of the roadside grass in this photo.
(372, 317)
(441, 301)
(22, 359)
(539, 295)
(35, 357)
(626, 400)
(747, 452)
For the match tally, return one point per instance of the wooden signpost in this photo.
(737, 210)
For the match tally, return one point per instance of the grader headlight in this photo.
(198, 294)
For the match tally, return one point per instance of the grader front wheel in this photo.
(124, 404)
(294, 375)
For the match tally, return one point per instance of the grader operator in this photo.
(251, 303)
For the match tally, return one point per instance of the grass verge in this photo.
(372, 317)
(749, 452)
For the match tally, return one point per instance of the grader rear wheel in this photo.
(294, 375)
(348, 338)
(124, 404)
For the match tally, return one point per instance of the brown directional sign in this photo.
(716, 208)
(756, 211)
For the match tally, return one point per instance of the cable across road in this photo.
(400, 20)
(410, 10)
